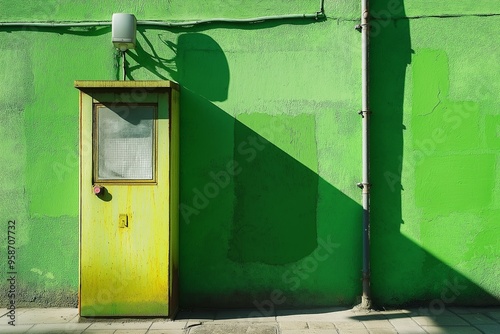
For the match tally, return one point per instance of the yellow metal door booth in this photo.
(129, 139)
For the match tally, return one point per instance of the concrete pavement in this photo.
(454, 320)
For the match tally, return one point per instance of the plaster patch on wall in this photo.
(48, 275)
(41, 10)
(36, 271)
(16, 91)
(16, 77)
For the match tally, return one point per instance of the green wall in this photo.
(271, 148)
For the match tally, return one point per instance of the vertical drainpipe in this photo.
(365, 184)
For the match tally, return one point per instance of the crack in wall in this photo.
(441, 16)
(416, 17)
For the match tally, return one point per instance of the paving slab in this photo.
(349, 325)
(444, 320)
(328, 315)
(121, 325)
(470, 309)
(165, 331)
(451, 330)
(429, 311)
(406, 326)
(288, 325)
(403, 322)
(234, 328)
(378, 324)
(14, 329)
(411, 330)
(353, 331)
(321, 325)
(4, 311)
(478, 319)
(168, 324)
(489, 329)
(47, 316)
(493, 314)
(69, 328)
(75, 326)
(382, 331)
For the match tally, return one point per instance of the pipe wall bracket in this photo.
(363, 113)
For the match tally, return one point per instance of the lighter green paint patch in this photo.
(454, 183)
(16, 76)
(493, 131)
(440, 125)
(430, 80)
(457, 182)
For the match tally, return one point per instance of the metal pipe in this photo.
(123, 65)
(318, 15)
(365, 113)
(67, 24)
(315, 16)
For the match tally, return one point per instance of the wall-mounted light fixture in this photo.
(123, 28)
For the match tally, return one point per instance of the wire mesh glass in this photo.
(125, 142)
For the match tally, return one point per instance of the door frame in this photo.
(143, 92)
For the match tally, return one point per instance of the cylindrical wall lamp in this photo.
(123, 30)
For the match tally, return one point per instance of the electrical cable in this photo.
(72, 24)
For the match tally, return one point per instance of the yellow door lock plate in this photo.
(123, 221)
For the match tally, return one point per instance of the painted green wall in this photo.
(437, 160)
(270, 149)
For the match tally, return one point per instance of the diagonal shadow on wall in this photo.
(251, 234)
(248, 222)
(251, 209)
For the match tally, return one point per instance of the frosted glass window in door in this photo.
(125, 142)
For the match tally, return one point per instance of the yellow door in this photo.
(124, 204)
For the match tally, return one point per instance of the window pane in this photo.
(125, 142)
